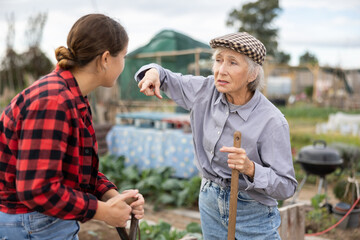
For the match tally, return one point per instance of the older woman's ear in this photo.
(253, 74)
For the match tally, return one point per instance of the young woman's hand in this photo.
(116, 211)
(137, 205)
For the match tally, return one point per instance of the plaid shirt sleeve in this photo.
(41, 183)
(103, 185)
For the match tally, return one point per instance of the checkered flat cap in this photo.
(243, 43)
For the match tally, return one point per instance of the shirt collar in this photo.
(82, 102)
(243, 111)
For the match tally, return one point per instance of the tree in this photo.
(10, 74)
(256, 18)
(308, 58)
(33, 63)
(282, 57)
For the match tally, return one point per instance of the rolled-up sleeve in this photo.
(275, 177)
(103, 185)
(180, 88)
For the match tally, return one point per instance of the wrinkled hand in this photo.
(237, 159)
(150, 84)
(137, 204)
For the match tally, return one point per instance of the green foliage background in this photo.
(156, 185)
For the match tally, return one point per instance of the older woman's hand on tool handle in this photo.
(237, 159)
(150, 84)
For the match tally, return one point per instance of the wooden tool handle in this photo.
(234, 193)
(122, 233)
(134, 226)
(237, 139)
(134, 230)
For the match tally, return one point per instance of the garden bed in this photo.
(180, 217)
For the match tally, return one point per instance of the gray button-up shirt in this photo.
(264, 135)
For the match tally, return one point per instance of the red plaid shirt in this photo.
(48, 151)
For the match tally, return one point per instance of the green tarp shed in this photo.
(172, 50)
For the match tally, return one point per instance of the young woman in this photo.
(49, 176)
(219, 105)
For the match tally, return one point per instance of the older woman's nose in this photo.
(222, 69)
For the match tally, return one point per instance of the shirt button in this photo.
(87, 151)
(218, 132)
(212, 152)
(227, 113)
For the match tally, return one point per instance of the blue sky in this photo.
(330, 29)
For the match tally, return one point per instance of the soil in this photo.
(179, 218)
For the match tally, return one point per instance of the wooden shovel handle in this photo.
(134, 229)
(234, 193)
(122, 233)
(134, 226)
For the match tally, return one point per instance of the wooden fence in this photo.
(292, 222)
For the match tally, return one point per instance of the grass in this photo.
(302, 121)
(311, 112)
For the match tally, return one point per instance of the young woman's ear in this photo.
(104, 60)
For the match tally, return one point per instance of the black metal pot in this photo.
(318, 159)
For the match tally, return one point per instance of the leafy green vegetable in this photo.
(163, 231)
(157, 185)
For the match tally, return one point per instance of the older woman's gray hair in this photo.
(251, 48)
(259, 82)
(253, 68)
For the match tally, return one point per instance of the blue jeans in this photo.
(253, 219)
(36, 226)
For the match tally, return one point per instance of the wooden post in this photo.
(158, 59)
(315, 72)
(197, 65)
(292, 222)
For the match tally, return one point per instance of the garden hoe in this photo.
(134, 228)
(234, 193)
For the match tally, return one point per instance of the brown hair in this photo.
(89, 37)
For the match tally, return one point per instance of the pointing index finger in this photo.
(231, 149)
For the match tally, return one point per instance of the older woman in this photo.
(219, 105)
